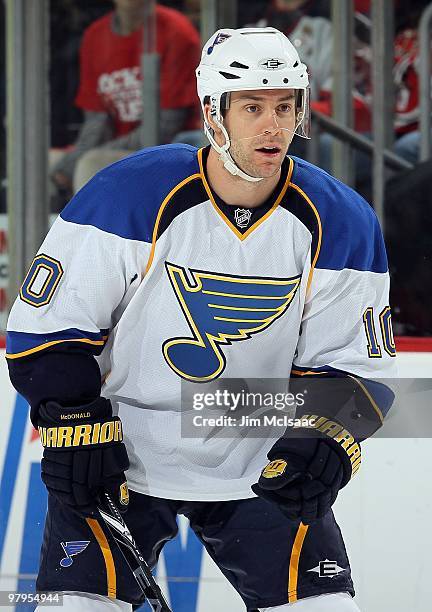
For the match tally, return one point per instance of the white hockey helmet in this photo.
(249, 59)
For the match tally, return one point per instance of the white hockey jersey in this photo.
(147, 270)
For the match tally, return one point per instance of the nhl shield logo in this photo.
(242, 217)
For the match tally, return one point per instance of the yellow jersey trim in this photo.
(294, 562)
(360, 384)
(307, 373)
(316, 213)
(257, 223)
(160, 212)
(42, 347)
(370, 398)
(107, 555)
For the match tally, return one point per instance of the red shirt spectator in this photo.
(110, 79)
(407, 81)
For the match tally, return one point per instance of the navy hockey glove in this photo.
(83, 454)
(306, 472)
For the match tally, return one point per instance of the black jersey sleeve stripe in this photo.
(359, 404)
(67, 373)
(178, 204)
(22, 344)
(298, 203)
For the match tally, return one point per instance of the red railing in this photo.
(408, 344)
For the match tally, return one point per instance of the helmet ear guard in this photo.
(224, 155)
(214, 106)
(303, 115)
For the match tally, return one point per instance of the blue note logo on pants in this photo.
(71, 549)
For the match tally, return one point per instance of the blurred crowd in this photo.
(97, 114)
(98, 45)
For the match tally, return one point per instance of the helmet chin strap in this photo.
(224, 155)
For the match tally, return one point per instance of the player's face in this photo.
(261, 125)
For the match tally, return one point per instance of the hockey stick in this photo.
(130, 551)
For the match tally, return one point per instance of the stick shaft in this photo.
(132, 555)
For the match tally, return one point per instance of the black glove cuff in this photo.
(303, 442)
(53, 413)
(80, 427)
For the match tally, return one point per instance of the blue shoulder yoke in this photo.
(351, 234)
(124, 198)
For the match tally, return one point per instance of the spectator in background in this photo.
(405, 74)
(361, 101)
(110, 87)
(307, 24)
(407, 81)
(310, 33)
(68, 20)
(192, 8)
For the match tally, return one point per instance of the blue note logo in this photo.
(220, 38)
(220, 309)
(71, 549)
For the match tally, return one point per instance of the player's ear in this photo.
(209, 119)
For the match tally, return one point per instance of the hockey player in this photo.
(231, 262)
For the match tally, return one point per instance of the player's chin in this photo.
(267, 171)
(267, 166)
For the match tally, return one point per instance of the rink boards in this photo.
(195, 583)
